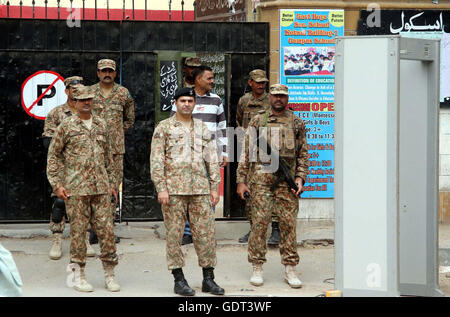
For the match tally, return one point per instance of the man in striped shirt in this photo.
(209, 109)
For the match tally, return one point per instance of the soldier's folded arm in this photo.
(112, 177)
(129, 116)
(55, 159)
(157, 160)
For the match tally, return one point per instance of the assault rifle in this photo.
(283, 172)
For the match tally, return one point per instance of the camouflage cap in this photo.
(74, 80)
(258, 75)
(106, 63)
(82, 92)
(192, 62)
(278, 89)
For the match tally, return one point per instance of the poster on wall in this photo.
(307, 55)
(427, 24)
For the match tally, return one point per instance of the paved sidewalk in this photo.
(142, 269)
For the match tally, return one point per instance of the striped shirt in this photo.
(209, 109)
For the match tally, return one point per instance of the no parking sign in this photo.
(41, 92)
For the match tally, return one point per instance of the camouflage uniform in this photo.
(293, 148)
(247, 108)
(52, 121)
(79, 159)
(192, 63)
(180, 161)
(118, 112)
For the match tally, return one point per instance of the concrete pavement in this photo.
(142, 269)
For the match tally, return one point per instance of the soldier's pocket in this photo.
(176, 145)
(289, 143)
(78, 141)
(101, 142)
(115, 114)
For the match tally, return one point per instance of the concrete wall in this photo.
(268, 12)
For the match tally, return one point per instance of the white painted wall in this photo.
(444, 150)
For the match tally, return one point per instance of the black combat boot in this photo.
(181, 286)
(244, 238)
(208, 285)
(275, 236)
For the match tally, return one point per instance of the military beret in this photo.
(74, 80)
(185, 91)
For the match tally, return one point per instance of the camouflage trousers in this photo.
(96, 211)
(284, 204)
(202, 223)
(248, 212)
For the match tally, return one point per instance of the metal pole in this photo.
(195, 10)
(20, 7)
(182, 10)
(107, 9)
(46, 1)
(170, 10)
(58, 8)
(145, 9)
(7, 9)
(84, 10)
(96, 9)
(132, 2)
(123, 10)
(33, 7)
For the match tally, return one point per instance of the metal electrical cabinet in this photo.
(386, 199)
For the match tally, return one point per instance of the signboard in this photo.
(41, 92)
(168, 84)
(428, 24)
(217, 63)
(307, 49)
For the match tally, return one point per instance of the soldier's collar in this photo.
(271, 114)
(260, 97)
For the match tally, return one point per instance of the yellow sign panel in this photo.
(287, 18)
(336, 18)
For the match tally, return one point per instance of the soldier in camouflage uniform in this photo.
(292, 147)
(114, 104)
(52, 121)
(182, 154)
(248, 106)
(190, 64)
(80, 172)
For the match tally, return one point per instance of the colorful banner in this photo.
(307, 55)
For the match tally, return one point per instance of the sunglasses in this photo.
(74, 82)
